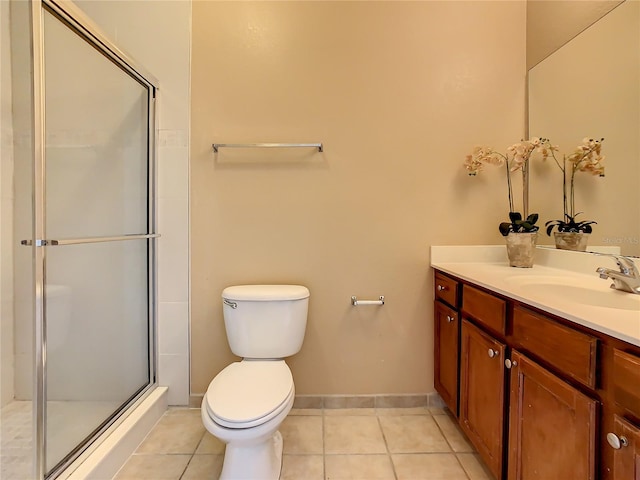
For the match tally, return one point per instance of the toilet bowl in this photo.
(248, 400)
(244, 407)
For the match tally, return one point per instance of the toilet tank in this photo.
(265, 321)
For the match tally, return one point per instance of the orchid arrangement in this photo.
(588, 158)
(515, 159)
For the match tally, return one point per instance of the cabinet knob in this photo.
(441, 288)
(617, 442)
(510, 363)
(450, 319)
(493, 353)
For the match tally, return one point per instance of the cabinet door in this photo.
(552, 426)
(626, 459)
(446, 325)
(482, 376)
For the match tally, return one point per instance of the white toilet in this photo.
(248, 400)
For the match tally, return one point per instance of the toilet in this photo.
(248, 400)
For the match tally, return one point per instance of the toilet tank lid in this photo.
(265, 293)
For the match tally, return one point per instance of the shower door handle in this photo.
(28, 243)
(39, 243)
(78, 241)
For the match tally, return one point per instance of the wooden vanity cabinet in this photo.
(538, 394)
(446, 341)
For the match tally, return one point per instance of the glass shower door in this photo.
(98, 222)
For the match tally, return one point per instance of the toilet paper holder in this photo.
(355, 302)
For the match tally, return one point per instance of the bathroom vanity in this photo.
(540, 366)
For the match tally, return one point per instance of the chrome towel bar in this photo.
(217, 146)
(355, 302)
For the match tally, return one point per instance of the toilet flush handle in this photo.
(231, 304)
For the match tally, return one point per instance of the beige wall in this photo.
(399, 93)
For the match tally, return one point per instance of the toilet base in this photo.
(256, 462)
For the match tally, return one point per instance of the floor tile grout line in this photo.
(192, 455)
(324, 450)
(444, 436)
(462, 466)
(455, 454)
(186, 467)
(386, 446)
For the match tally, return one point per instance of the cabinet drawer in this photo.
(485, 308)
(570, 352)
(626, 381)
(446, 289)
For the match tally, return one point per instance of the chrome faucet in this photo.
(626, 278)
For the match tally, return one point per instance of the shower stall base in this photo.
(16, 440)
(69, 420)
(103, 461)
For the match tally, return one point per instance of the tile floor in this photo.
(320, 444)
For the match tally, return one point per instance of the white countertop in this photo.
(580, 296)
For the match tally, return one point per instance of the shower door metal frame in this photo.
(80, 23)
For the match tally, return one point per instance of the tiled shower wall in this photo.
(157, 34)
(6, 206)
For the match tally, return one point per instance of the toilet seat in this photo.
(249, 393)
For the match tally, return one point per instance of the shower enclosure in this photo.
(77, 235)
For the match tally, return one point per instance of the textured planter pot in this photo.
(571, 240)
(521, 248)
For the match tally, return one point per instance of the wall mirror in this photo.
(590, 87)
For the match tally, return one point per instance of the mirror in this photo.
(551, 24)
(590, 87)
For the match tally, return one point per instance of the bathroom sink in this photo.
(585, 292)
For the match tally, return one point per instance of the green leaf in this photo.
(505, 228)
(515, 216)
